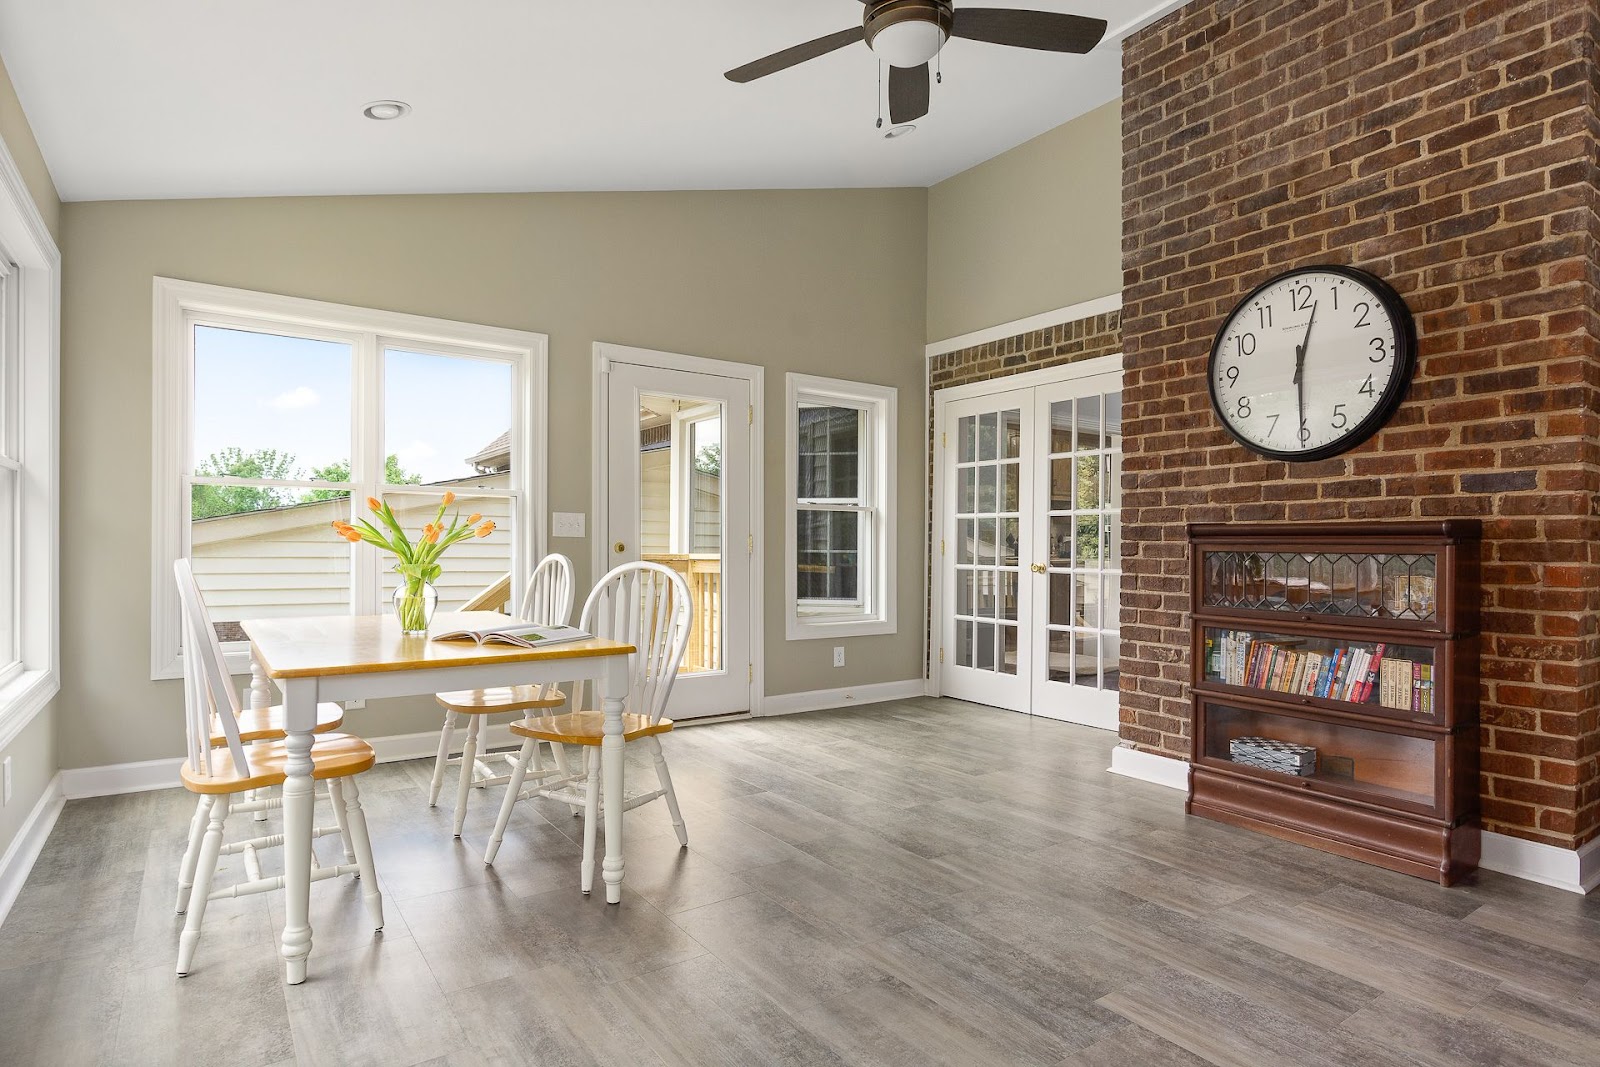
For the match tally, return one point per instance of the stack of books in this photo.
(1406, 685)
(1285, 757)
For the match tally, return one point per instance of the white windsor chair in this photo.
(547, 600)
(648, 606)
(217, 773)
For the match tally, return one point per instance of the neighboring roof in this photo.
(494, 456)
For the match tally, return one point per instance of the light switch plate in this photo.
(566, 523)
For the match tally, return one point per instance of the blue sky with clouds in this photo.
(255, 391)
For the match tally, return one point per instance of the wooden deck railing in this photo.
(703, 575)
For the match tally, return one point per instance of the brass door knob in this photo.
(1037, 568)
(619, 547)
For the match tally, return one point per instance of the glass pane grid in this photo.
(1394, 586)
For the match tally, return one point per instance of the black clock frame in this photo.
(1393, 394)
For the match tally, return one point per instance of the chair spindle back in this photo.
(548, 597)
(648, 606)
(207, 688)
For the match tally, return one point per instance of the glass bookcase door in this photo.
(1394, 586)
(1385, 678)
(1394, 769)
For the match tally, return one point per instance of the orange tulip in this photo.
(427, 529)
(486, 529)
(374, 504)
(351, 536)
(433, 535)
(473, 518)
(449, 498)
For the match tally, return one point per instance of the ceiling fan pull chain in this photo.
(938, 67)
(880, 94)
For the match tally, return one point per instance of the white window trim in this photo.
(177, 303)
(882, 401)
(27, 241)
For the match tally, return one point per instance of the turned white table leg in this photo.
(300, 717)
(260, 697)
(613, 690)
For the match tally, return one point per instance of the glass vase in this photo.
(414, 601)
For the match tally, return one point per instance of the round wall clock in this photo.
(1312, 362)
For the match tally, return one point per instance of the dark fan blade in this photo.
(798, 54)
(1044, 30)
(908, 93)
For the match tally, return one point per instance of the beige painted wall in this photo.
(33, 752)
(826, 282)
(1035, 229)
(18, 136)
(33, 765)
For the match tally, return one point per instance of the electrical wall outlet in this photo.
(566, 523)
(838, 655)
(7, 775)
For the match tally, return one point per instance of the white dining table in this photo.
(366, 657)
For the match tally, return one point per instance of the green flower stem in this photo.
(413, 605)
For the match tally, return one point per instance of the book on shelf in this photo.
(1352, 673)
(517, 633)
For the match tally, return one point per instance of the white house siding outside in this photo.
(288, 561)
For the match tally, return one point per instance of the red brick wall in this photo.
(1449, 147)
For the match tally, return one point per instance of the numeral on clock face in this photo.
(1320, 346)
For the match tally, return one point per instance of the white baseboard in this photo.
(1575, 871)
(26, 846)
(1563, 868)
(825, 699)
(1149, 767)
(80, 782)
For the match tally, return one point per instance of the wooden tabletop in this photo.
(324, 645)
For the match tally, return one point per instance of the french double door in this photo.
(1029, 552)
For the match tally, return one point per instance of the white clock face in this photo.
(1311, 363)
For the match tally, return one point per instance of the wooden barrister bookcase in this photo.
(1359, 640)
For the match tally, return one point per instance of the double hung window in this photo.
(840, 523)
(291, 414)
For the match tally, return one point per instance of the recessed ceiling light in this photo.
(899, 131)
(386, 110)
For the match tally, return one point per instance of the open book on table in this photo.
(519, 633)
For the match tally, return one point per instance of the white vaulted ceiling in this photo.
(191, 98)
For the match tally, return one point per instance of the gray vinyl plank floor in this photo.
(915, 883)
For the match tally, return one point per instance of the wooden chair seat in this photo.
(495, 701)
(333, 756)
(266, 724)
(586, 727)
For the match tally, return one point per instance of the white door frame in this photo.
(941, 399)
(604, 355)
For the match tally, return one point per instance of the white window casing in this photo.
(871, 608)
(30, 411)
(180, 307)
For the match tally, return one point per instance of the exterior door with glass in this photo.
(1077, 476)
(1029, 549)
(678, 493)
(988, 493)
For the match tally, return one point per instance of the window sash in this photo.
(181, 307)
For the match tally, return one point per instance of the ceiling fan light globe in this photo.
(910, 43)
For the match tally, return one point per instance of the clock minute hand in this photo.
(1300, 369)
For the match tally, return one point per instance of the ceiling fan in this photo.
(906, 34)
